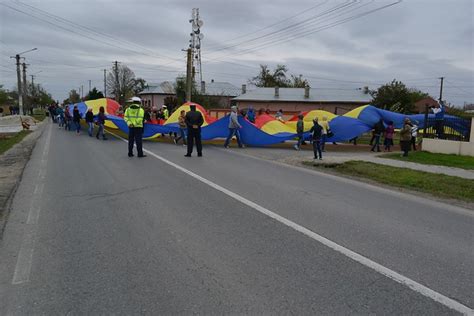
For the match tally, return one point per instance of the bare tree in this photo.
(121, 83)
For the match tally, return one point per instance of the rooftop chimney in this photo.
(203, 87)
(244, 88)
(277, 92)
(306, 92)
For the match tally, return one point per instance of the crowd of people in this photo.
(190, 127)
(72, 121)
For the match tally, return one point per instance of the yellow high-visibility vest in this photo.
(134, 114)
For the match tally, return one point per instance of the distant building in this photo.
(420, 106)
(156, 93)
(219, 92)
(338, 101)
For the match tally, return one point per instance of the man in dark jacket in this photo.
(317, 132)
(379, 128)
(299, 131)
(194, 121)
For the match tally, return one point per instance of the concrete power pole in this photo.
(33, 91)
(20, 88)
(24, 90)
(189, 75)
(105, 83)
(441, 89)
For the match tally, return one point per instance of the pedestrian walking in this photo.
(316, 135)
(194, 121)
(234, 127)
(60, 112)
(67, 119)
(299, 131)
(101, 122)
(251, 115)
(182, 128)
(90, 122)
(405, 137)
(134, 117)
(379, 128)
(76, 118)
(439, 111)
(414, 134)
(325, 125)
(388, 136)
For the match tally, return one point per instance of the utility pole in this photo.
(18, 77)
(20, 88)
(82, 91)
(117, 92)
(25, 88)
(33, 92)
(441, 89)
(189, 76)
(89, 87)
(105, 83)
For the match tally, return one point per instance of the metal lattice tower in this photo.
(195, 42)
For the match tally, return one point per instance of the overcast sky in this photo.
(416, 41)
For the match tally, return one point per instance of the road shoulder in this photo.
(12, 165)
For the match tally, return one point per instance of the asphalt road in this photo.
(92, 231)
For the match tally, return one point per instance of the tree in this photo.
(74, 97)
(139, 85)
(122, 84)
(298, 82)
(94, 94)
(395, 96)
(277, 78)
(3, 95)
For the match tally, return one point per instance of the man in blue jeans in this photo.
(234, 126)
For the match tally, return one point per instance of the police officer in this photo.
(134, 117)
(194, 120)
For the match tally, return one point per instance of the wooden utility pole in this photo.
(189, 75)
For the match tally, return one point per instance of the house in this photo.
(218, 93)
(156, 93)
(420, 106)
(293, 100)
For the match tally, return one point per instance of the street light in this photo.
(20, 90)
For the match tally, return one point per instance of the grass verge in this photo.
(426, 158)
(439, 185)
(7, 142)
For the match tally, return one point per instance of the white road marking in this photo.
(397, 277)
(25, 255)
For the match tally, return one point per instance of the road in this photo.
(92, 231)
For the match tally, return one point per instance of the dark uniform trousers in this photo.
(135, 134)
(194, 134)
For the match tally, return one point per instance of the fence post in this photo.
(425, 127)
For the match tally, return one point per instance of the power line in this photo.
(292, 26)
(75, 32)
(91, 30)
(306, 33)
(271, 25)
